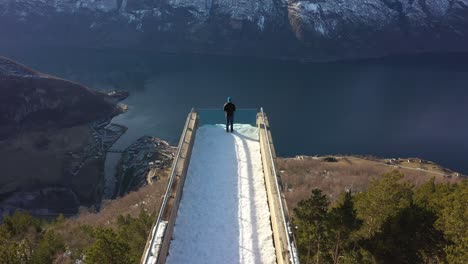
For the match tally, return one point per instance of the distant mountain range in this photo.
(303, 29)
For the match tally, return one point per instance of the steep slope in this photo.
(30, 101)
(306, 29)
(53, 139)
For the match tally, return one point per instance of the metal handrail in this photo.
(293, 259)
(169, 188)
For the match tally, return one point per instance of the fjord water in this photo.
(408, 106)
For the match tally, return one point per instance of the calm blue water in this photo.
(399, 107)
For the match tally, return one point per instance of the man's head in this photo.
(229, 99)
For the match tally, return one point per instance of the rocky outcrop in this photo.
(306, 29)
(147, 157)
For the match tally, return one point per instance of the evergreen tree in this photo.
(385, 198)
(11, 252)
(109, 248)
(344, 222)
(20, 223)
(453, 221)
(48, 247)
(135, 232)
(312, 227)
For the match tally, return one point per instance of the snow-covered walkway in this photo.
(223, 215)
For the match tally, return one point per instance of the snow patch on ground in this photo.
(123, 6)
(224, 216)
(319, 27)
(157, 241)
(102, 5)
(311, 7)
(438, 8)
(201, 6)
(261, 23)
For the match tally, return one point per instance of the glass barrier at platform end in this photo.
(217, 116)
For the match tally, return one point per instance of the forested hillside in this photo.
(392, 222)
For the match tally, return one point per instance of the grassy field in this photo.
(302, 174)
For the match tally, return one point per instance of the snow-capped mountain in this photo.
(308, 29)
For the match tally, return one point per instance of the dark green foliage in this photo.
(449, 202)
(60, 219)
(385, 198)
(312, 227)
(330, 159)
(124, 245)
(408, 237)
(109, 248)
(25, 239)
(19, 223)
(391, 222)
(343, 221)
(424, 195)
(50, 245)
(135, 232)
(313, 210)
(12, 252)
(453, 222)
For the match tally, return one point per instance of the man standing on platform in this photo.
(229, 108)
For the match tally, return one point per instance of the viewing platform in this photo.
(224, 201)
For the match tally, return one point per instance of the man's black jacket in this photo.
(229, 108)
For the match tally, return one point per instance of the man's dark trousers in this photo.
(229, 121)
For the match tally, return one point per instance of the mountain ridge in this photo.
(304, 29)
(31, 101)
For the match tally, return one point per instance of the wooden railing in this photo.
(282, 236)
(157, 246)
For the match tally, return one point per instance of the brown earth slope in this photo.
(51, 155)
(334, 175)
